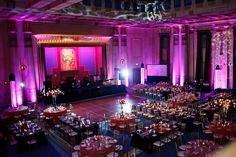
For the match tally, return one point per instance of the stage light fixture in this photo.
(125, 73)
(22, 84)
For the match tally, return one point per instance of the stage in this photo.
(87, 93)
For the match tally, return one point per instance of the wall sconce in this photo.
(5, 82)
(23, 67)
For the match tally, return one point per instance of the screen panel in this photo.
(157, 70)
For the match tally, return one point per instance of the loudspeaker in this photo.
(136, 75)
(12, 77)
(47, 85)
(102, 74)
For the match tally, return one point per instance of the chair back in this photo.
(116, 134)
(131, 153)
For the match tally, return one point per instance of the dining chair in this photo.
(119, 149)
(230, 138)
(112, 126)
(131, 153)
(165, 140)
(158, 145)
(112, 154)
(132, 127)
(122, 127)
(207, 134)
(218, 138)
(182, 147)
(179, 153)
(116, 134)
(172, 136)
(74, 154)
(140, 125)
(31, 142)
(76, 148)
(88, 133)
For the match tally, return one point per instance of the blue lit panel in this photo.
(167, 4)
(177, 3)
(187, 2)
(118, 4)
(108, 4)
(199, 1)
(97, 3)
(86, 2)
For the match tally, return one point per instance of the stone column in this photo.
(19, 61)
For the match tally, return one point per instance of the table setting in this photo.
(201, 148)
(97, 145)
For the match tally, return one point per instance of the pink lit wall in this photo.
(13, 93)
(142, 47)
(29, 77)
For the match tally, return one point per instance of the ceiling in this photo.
(76, 11)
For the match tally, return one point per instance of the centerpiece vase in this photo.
(54, 100)
(122, 111)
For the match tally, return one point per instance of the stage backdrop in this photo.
(79, 60)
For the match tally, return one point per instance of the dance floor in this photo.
(97, 109)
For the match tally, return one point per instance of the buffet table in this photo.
(97, 145)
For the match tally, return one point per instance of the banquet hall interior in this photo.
(117, 78)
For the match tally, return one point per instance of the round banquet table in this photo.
(55, 112)
(201, 148)
(118, 120)
(20, 110)
(96, 145)
(224, 129)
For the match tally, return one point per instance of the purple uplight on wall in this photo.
(142, 75)
(175, 70)
(13, 93)
(181, 57)
(19, 95)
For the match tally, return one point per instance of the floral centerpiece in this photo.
(54, 93)
(122, 103)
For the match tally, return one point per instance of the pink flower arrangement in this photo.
(54, 92)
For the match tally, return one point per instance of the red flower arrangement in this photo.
(122, 102)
